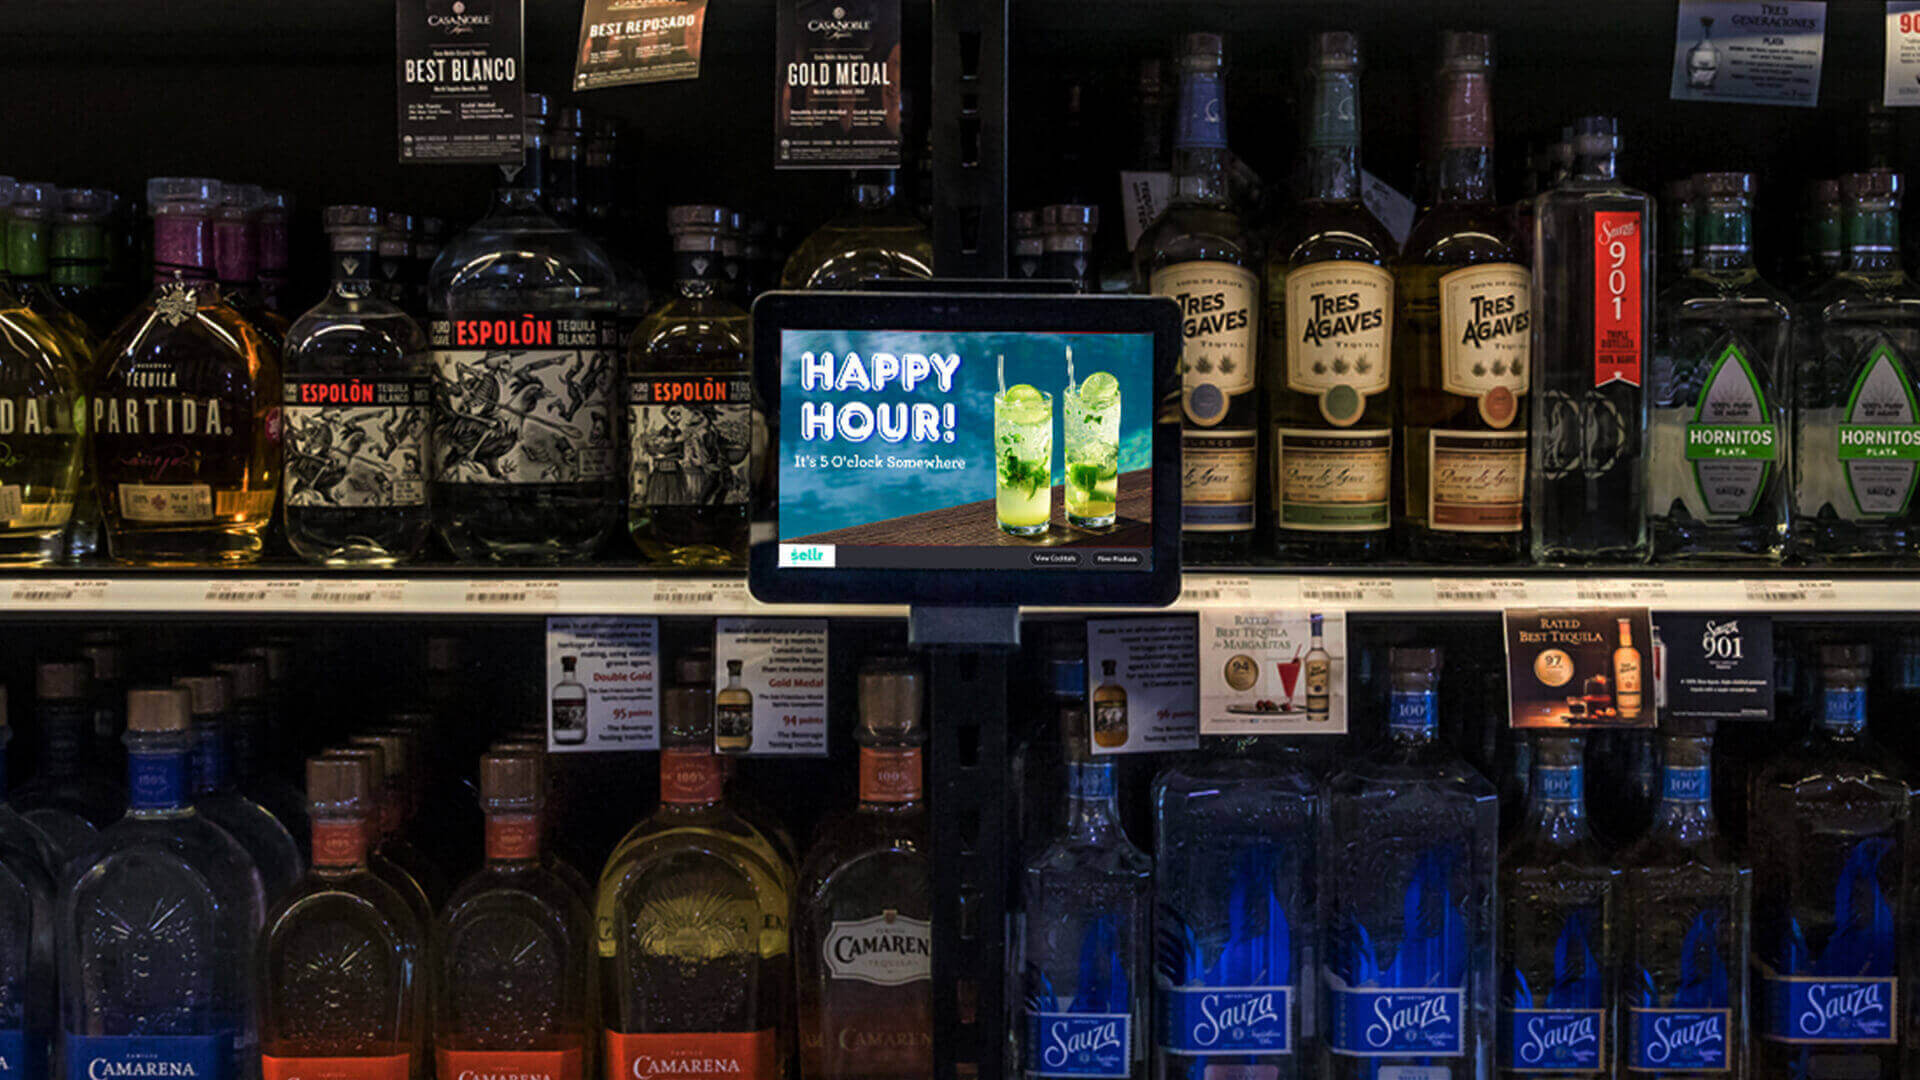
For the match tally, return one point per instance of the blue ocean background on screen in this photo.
(817, 500)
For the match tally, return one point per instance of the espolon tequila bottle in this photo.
(1717, 480)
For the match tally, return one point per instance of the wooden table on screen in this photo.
(974, 525)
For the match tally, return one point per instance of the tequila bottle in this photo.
(1329, 340)
(1686, 909)
(1316, 671)
(15, 830)
(217, 798)
(247, 714)
(1461, 342)
(29, 240)
(395, 270)
(1407, 850)
(570, 716)
(1235, 925)
(733, 714)
(77, 268)
(397, 877)
(396, 809)
(1592, 309)
(358, 398)
(1857, 391)
(1679, 213)
(43, 374)
(1823, 245)
(1110, 727)
(236, 258)
(339, 963)
(65, 799)
(271, 224)
(1029, 246)
(1835, 940)
(1198, 252)
(1717, 485)
(1558, 929)
(513, 947)
(28, 1002)
(690, 415)
(1628, 674)
(156, 924)
(872, 239)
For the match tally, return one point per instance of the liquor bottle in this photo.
(1592, 308)
(569, 705)
(217, 798)
(1718, 485)
(1236, 873)
(392, 843)
(690, 414)
(248, 724)
(551, 856)
(733, 714)
(106, 652)
(271, 227)
(1087, 905)
(156, 924)
(871, 239)
(392, 257)
(186, 410)
(398, 877)
(1628, 698)
(1703, 60)
(1823, 246)
(1685, 911)
(358, 399)
(599, 182)
(1316, 671)
(1833, 877)
(512, 949)
(526, 361)
(236, 259)
(1110, 727)
(77, 268)
(862, 941)
(1679, 243)
(1407, 849)
(27, 986)
(29, 241)
(338, 965)
(1460, 341)
(1029, 246)
(1199, 253)
(692, 913)
(733, 259)
(1067, 231)
(427, 245)
(566, 168)
(65, 798)
(42, 386)
(16, 831)
(1856, 406)
(1558, 927)
(1329, 338)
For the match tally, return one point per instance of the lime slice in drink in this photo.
(1022, 394)
(1100, 388)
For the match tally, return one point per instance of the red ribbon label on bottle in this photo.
(690, 775)
(396, 1067)
(518, 1064)
(339, 842)
(513, 837)
(889, 775)
(1618, 239)
(742, 1055)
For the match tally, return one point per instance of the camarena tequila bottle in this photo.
(1329, 340)
(1235, 926)
(358, 401)
(1834, 930)
(156, 924)
(1857, 402)
(339, 964)
(1087, 904)
(1592, 313)
(267, 841)
(42, 372)
(1462, 340)
(64, 798)
(1558, 921)
(1685, 915)
(526, 358)
(186, 411)
(862, 940)
(28, 1001)
(1199, 253)
(1407, 850)
(397, 877)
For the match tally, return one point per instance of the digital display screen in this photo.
(937, 450)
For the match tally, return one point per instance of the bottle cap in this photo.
(397, 221)
(338, 218)
(32, 199)
(339, 783)
(1848, 662)
(1205, 47)
(7, 186)
(182, 194)
(393, 749)
(1336, 50)
(1596, 136)
(699, 216)
(211, 693)
(1072, 216)
(410, 720)
(159, 709)
(1067, 676)
(249, 677)
(539, 107)
(239, 200)
(1723, 185)
(1825, 191)
(512, 782)
(1150, 78)
(890, 698)
(278, 658)
(106, 657)
(370, 757)
(694, 668)
(1411, 666)
(275, 203)
(520, 745)
(1677, 192)
(63, 680)
(1466, 50)
(688, 714)
(1872, 185)
(1026, 223)
(79, 205)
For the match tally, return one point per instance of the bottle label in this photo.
(691, 438)
(513, 837)
(1554, 1040)
(1202, 124)
(1477, 480)
(1677, 1040)
(512, 1064)
(1079, 1044)
(726, 1055)
(1687, 785)
(339, 841)
(22, 1056)
(1218, 362)
(1110, 723)
(1486, 338)
(1332, 481)
(890, 774)
(1199, 1021)
(1413, 712)
(690, 775)
(356, 442)
(1618, 295)
(1732, 441)
(569, 719)
(1339, 336)
(1879, 437)
(1217, 470)
(733, 722)
(166, 502)
(101, 1057)
(524, 399)
(1560, 785)
(156, 781)
(1317, 673)
(1090, 781)
(35, 429)
(212, 759)
(390, 1067)
(1860, 1011)
(1846, 707)
(1415, 1021)
(889, 949)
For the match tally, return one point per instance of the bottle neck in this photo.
(513, 839)
(697, 274)
(236, 252)
(890, 778)
(1093, 811)
(1595, 166)
(1466, 149)
(1724, 239)
(1556, 795)
(691, 778)
(182, 247)
(1873, 240)
(28, 242)
(1413, 718)
(212, 758)
(1843, 711)
(873, 190)
(353, 271)
(63, 731)
(157, 776)
(1828, 241)
(1333, 143)
(1200, 155)
(1685, 811)
(340, 842)
(79, 255)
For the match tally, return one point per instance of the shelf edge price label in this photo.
(506, 593)
(357, 592)
(53, 591)
(1199, 591)
(703, 595)
(1468, 592)
(244, 592)
(1778, 591)
(1347, 590)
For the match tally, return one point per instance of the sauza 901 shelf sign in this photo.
(837, 85)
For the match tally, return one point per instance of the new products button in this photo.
(806, 555)
(1118, 558)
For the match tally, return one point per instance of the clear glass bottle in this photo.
(1407, 856)
(185, 417)
(1717, 480)
(871, 239)
(15, 830)
(692, 913)
(248, 720)
(28, 1002)
(1559, 918)
(77, 268)
(1856, 430)
(66, 798)
(236, 258)
(1236, 879)
(1593, 289)
(526, 363)
(29, 237)
(1703, 59)
(358, 401)
(339, 964)
(42, 423)
(512, 948)
(1679, 213)
(218, 800)
(1686, 913)
(1836, 951)
(867, 1013)
(271, 224)
(690, 414)
(156, 924)
(396, 814)
(1823, 236)
(394, 277)
(398, 877)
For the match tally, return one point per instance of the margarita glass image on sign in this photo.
(1023, 451)
(1090, 416)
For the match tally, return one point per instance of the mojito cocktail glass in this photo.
(1090, 415)
(1023, 453)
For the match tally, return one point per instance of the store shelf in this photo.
(1776, 593)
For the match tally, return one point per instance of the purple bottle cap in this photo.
(182, 228)
(235, 249)
(182, 194)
